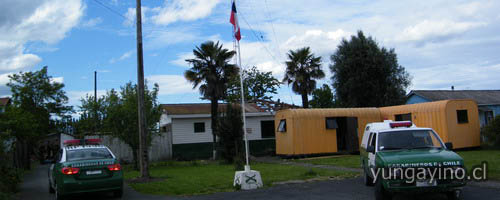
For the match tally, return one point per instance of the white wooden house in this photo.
(190, 127)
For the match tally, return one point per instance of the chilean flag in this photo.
(234, 21)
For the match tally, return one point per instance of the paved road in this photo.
(35, 187)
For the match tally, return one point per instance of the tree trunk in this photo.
(305, 101)
(214, 115)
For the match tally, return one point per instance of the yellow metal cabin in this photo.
(455, 121)
(318, 131)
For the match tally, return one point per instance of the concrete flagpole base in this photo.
(247, 179)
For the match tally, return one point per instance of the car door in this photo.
(53, 168)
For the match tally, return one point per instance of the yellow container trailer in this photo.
(321, 131)
(455, 121)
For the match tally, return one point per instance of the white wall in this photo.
(183, 129)
(160, 149)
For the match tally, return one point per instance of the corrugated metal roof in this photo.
(482, 97)
(202, 108)
(4, 101)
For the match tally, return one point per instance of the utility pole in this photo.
(143, 150)
(95, 104)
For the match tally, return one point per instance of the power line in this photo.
(260, 39)
(111, 9)
(276, 42)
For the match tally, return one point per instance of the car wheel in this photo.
(367, 179)
(58, 195)
(380, 192)
(51, 190)
(454, 195)
(118, 193)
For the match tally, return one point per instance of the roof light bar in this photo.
(82, 142)
(400, 124)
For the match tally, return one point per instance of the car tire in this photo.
(454, 195)
(58, 195)
(51, 190)
(367, 179)
(380, 192)
(118, 193)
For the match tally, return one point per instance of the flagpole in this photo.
(247, 166)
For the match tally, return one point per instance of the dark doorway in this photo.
(347, 134)
(267, 129)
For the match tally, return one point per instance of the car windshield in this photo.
(88, 154)
(408, 139)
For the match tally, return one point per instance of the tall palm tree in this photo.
(302, 68)
(211, 71)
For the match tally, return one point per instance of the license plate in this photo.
(426, 183)
(94, 172)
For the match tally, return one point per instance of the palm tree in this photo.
(211, 72)
(302, 68)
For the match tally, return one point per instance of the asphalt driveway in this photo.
(35, 186)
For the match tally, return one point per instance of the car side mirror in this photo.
(449, 145)
(370, 149)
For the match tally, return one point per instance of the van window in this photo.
(331, 123)
(282, 126)
(462, 117)
(373, 139)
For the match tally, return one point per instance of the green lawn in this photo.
(188, 178)
(349, 161)
(473, 158)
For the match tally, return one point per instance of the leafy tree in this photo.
(35, 99)
(492, 132)
(302, 68)
(258, 86)
(211, 71)
(323, 98)
(231, 135)
(365, 75)
(120, 115)
(91, 117)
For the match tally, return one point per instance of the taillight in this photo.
(115, 167)
(70, 170)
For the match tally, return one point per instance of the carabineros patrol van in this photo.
(400, 157)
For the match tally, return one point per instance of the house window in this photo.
(267, 129)
(199, 127)
(282, 126)
(403, 117)
(462, 117)
(331, 123)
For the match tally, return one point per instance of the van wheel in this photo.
(454, 195)
(367, 179)
(380, 192)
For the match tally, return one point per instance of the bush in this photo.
(10, 176)
(231, 135)
(492, 132)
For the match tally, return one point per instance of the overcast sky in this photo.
(440, 43)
